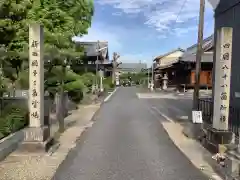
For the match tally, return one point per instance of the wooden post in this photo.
(199, 55)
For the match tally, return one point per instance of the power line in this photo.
(183, 5)
(178, 15)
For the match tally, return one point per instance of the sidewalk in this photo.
(19, 166)
(195, 152)
(177, 113)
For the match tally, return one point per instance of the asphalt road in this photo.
(127, 142)
(176, 109)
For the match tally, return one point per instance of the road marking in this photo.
(161, 114)
(155, 96)
(110, 95)
(176, 109)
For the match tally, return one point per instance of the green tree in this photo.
(61, 20)
(12, 36)
(12, 22)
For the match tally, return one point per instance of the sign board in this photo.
(197, 117)
(237, 94)
(222, 78)
(101, 73)
(222, 149)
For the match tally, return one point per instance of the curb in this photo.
(110, 95)
(10, 143)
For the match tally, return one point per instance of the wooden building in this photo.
(94, 60)
(179, 66)
(164, 64)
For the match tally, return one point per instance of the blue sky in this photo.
(142, 29)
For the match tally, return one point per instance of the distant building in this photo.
(91, 51)
(132, 67)
(95, 59)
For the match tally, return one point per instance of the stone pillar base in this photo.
(216, 137)
(36, 140)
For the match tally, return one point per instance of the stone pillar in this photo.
(222, 79)
(101, 80)
(219, 133)
(37, 135)
(165, 82)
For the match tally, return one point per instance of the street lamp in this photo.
(214, 3)
(152, 76)
(99, 50)
(115, 64)
(148, 78)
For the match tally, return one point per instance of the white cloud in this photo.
(101, 33)
(182, 31)
(160, 14)
(117, 13)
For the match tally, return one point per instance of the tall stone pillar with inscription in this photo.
(37, 134)
(219, 133)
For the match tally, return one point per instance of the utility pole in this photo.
(115, 64)
(199, 55)
(96, 80)
(152, 76)
(148, 79)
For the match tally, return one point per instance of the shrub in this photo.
(76, 90)
(13, 118)
(112, 85)
(106, 86)
(71, 76)
(88, 79)
(75, 95)
(23, 80)
(107, 83)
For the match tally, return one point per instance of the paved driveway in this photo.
(127, 142)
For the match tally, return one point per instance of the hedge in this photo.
(12, 119)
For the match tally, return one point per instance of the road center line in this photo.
(110, 95)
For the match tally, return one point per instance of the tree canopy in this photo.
(62, 20)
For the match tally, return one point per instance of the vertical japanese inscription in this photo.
(222, 78)
(35, 75)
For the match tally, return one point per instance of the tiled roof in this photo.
(161, 56)
(190, 54)
(170, 60)
(206, 57)
(207, 44)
